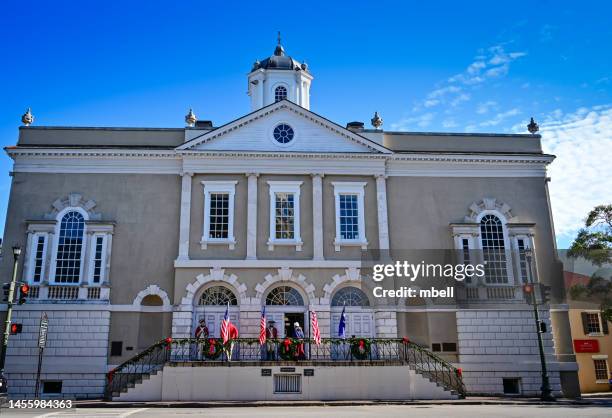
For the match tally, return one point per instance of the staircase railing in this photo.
(131, 372)
(352, 351)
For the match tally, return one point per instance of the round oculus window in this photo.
(283, 133)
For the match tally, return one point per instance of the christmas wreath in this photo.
(288, 349)
(360, 348)
(212, 348)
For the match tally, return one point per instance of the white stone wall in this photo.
(76, 352)
(497, 344)
(386, 324)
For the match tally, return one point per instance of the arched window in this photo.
(69, 248)
(280, 93)
(493, 249)
(284, 295)
(350, 296)
(218, 296)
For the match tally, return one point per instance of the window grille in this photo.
(523, 260)
(349, 217)
(350, 296)
(63, 292)
(284, 295)
(601, 369)
(219, 216)
(69, 248)
(218, 296)
(280, 93)
(593, 325)
(287, 383)
(38, 259)
(285, 215)
(97, 262)
(494, 249)
(93, 293)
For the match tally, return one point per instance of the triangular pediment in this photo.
(255, 133)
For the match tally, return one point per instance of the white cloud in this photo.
(463, 97)
(407, 123)
(582, 173)
(449, 123)
(500, 117)
(485, 107)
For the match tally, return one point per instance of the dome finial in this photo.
(190, 118)
(279, 51)
(27, 118)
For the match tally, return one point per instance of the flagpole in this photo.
(309, 327)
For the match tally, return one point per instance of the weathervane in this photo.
(27, 118)
(376, 121)
(190, 118)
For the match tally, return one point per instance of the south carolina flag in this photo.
(342, 325)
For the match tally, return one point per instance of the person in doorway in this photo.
(271, 336)
(201, 333)
(298, 334)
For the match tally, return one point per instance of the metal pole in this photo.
(545, 389)
(9, 312)
(309, 326)
(40, 357)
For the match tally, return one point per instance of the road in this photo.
(387, 411)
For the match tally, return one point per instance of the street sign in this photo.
(42, 332)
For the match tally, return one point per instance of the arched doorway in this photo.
(359, 315)
(211, 306)
(285, 306)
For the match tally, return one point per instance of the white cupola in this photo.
(279, 77)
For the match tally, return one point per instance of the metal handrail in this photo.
(351, 351)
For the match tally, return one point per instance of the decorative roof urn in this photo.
(27, 118)
(376, 121)
(190, 119)
(533, 127)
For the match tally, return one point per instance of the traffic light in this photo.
(545, 292)
(24, 291)
(6, 287)
(16, 328)
(542, 327)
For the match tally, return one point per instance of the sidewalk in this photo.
(599, 399)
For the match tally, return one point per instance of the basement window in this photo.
(52, 387)
(512, 385)
(287, 383)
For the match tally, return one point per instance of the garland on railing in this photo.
(212, 348)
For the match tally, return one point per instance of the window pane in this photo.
(493, 248)
(284, 215)
(593, 326)
(601, 369)
(219, 216)
(38, 259)
(218, 296)
(284, 295)
(69, 248)
(349, 217)
(280, 93)
(97, 274)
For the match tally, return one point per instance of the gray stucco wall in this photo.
(144, 207)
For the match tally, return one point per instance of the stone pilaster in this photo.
(252, 216)
(317, 216)
(185, 216)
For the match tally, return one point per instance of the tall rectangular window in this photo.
(39, 259)
(465, 250)
(285, 216)
(350, 214)
(97, 261)
(219, 213)
(522, 260)
(219, 216)
(593, 325)
(601, 369)
(349, 217)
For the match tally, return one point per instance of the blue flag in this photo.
(342, 325)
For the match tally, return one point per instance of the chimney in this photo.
(355, 126)
(204, 124)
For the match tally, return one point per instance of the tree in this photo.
(594, 243)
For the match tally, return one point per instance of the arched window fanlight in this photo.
(69, 248)
(280, 93)
(493, 249)
(350, 296)
(284, 295)
(218, 296)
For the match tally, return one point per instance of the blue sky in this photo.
(441, 66)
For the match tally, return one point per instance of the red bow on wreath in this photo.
(287, 343)
(211, 346)
(361, 345)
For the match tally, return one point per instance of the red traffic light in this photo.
(25, 289)
(528, 288)
(16, 329)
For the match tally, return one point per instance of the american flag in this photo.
(262, 327)
(314, 323)
(225, 326)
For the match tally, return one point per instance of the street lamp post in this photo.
(545, 389)
(9, 312)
